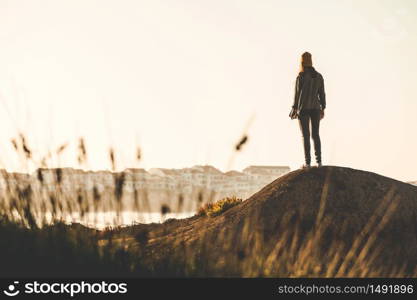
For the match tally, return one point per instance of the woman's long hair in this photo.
(306, 61)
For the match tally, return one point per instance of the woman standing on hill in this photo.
(309, 105)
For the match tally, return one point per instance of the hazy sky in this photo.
(182, 79)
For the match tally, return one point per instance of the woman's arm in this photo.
(297, 92)
(322, 94)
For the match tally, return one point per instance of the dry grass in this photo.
(35, 241)
(218, 207)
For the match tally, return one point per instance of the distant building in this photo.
(188, 188)
(267, 170)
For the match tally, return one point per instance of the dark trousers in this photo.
(305, 117)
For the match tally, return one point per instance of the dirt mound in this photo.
(328, 221)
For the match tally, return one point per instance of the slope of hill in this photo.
(329, 221)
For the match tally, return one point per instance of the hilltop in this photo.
(328, 221)
(335, 219)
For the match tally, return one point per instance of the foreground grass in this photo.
(74, 250)
(55, 250)
(222, 240)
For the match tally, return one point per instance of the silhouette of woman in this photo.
(309, 105)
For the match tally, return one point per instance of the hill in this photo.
(320, 222)
(328, 221)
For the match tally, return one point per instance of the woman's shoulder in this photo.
(319, 75)
(316, 74)
(314, 71)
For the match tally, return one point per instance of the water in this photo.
(101, 220)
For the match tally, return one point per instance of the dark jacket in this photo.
(309, 90)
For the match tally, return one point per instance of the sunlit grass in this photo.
(36, 235)
(218, 207)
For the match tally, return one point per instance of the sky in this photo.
(185, 79)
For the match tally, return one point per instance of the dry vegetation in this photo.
(214, 209)
(327, 222)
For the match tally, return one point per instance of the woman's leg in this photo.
(304, 121)
(315, 127)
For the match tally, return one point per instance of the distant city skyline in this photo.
(145, 192)
(179, 189)
(185, 80)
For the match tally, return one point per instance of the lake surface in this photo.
(102, 220)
